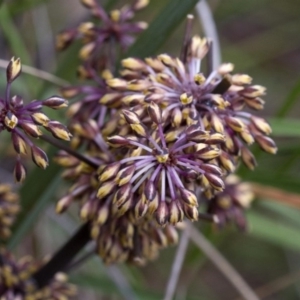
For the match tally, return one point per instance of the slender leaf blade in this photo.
(160, 29)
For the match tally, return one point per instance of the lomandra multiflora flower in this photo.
(9, 208)
(161, 168)
(187, 96)
(16, 282)
(100, 38)
(119, 235)
(24, 121)
(230, 204)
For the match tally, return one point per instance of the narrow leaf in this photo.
(276, 232)
(160, 29)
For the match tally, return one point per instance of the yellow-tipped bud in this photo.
(105, 189)
(10, 120)
(13, 69)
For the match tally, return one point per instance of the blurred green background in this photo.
(262, 39)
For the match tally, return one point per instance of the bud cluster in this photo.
(187, 97)
(24, 121)
(100, 37)
(119, 235)
(9, 208)
(229, 205)
(162, 137)
(15, 282)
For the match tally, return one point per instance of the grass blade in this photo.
(160, 29)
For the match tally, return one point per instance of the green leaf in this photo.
(18, 7)
(12, 35)
(36, 193)
(273, 231)
(269, 177)
(290, 101)
(161, 27)
(285, 127)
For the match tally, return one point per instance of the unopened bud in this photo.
(141, 208)
(105, 189)
(89, 3)
(63, 204)
(10, 120)
(241, 79)
(117, 141)
(109, 171)
(115, 83)
(122, 195)
(215, 181)
(19, 143)
(86, 51)
(103, 214)
(124, 175)
(131, 117)
(59, 130)
(133, 64)
(255, 103)
(248, 158)
(261, 125)
(235, 124)
(225, 68)
(31, 129)
(176, 213)
(19, 172)
(162, 213)
(13, 69)
(140, 4)
(171, 234)
(188, 197)
(55, 102)
(39, 157)
(266, 143)
(154, 112)
(191, 212)
(40, 118)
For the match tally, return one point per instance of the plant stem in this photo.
(63, 257)
(221, 263)
(177, 265)
(69, 150)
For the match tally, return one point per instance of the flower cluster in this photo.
(229, 205)
(15, 282)
(188, 97)
(160, 138)
(100, 38)
(119, 235)
(9, 208)
(24, 120)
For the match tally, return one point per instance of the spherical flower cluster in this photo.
(188, 97)
(9, 208)
(15, 282)
(160, 168)
(119, 235)
(101, 38)
(229, 205)
(24, 120)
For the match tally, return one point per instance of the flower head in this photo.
(16, 283)
(161, 168)
(188, 97)
(100, 37)
(9, 208)
(230, 204)
(119, 235)
(23, 121)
